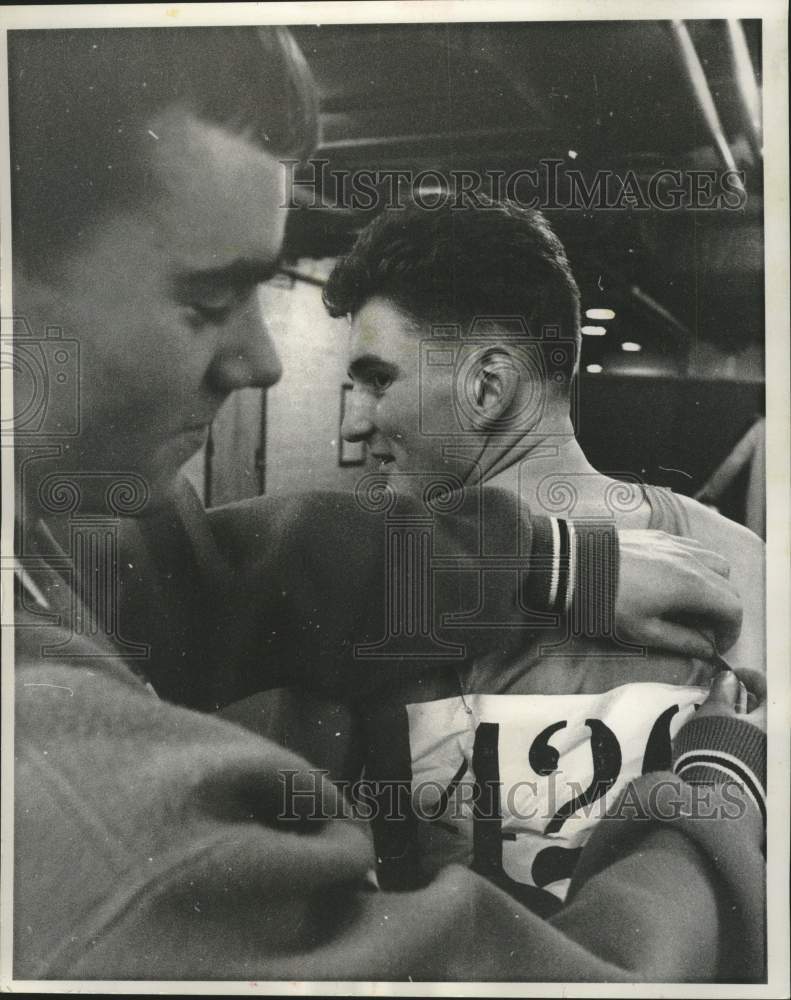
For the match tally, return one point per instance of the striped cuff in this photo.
(574, 568)
(550, 583)
(594, 562)
(714, 749)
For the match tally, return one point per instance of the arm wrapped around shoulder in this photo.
(711, 813)
(719, 750)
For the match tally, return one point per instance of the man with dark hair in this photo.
(452, 265)
(465, 335)
(153, 841)
(482, 309)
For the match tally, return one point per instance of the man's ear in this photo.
(495, 386)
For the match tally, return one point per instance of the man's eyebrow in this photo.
(366, 363)
(242, 272)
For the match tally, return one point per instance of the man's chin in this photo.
(87, 478)
(419, 482)
(140, 489)
(165, 475)
(163, 487)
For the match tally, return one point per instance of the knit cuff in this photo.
(714, 749)
(595, 563)
(574, 569)
(543, 561)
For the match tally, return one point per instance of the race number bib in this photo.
(514, 783)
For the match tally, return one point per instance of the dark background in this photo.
(687, 285)
(503, 96)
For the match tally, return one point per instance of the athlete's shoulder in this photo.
(745, 553)
(711, 528)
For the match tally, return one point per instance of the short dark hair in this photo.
(81, 99)
(453, 264)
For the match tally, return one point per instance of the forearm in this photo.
(679, 865)
(329, 593)
(711, 885)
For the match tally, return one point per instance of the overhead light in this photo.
(593, 369)
(594, 331)
(600, 313)
(629, 345)
(573, 154)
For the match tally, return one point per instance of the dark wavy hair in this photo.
(82, 99)
(450, 265)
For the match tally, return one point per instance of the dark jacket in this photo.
(154, 842)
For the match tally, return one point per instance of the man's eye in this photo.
(211, 314)
(216, 307)
(371, 380)
(381, 381)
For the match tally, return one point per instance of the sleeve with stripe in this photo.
(715, 749)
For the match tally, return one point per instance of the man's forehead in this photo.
(382, 337)
(380, 321)
(218, 197)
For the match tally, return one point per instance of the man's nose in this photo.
(358, 422)
(248, 357)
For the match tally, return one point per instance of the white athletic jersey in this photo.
(507, 766)
(516, 782)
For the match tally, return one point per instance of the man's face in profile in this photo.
(426, 401)
(395, 401)
(162, 300)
